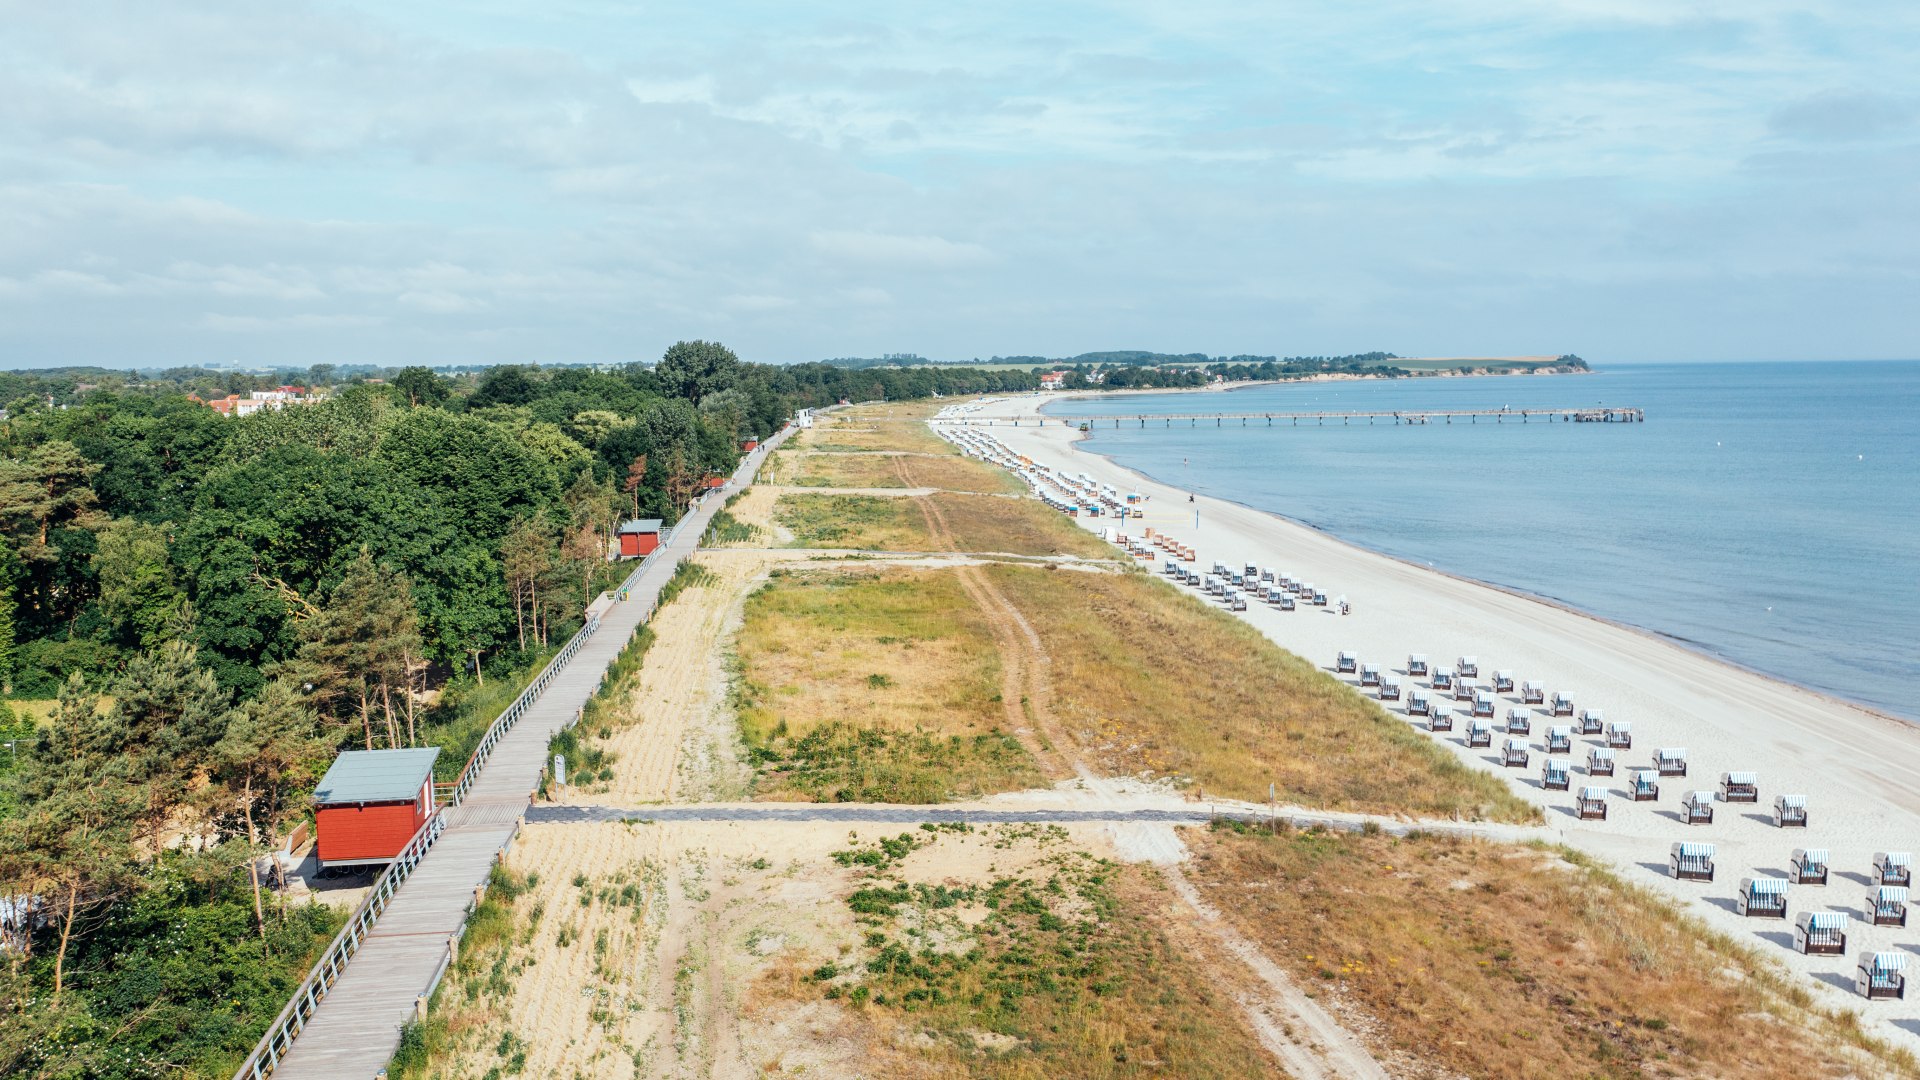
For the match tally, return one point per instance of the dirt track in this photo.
(673, 986)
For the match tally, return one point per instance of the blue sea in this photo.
(1766, 513)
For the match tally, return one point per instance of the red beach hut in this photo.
(370, 803)
(639, 537)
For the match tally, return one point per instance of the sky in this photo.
(230, 182)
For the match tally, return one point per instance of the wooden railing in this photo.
(453, 793)
(273, 1046)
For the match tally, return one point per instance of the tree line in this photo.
(201, 610)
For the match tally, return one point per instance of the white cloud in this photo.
(900, 252)
(255, 324)
(439, 302)
(595, 180)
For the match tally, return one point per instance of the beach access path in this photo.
(1859, 770)
(356, 1029)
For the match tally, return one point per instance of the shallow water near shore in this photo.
(1768, 513)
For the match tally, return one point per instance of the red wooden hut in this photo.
(750, 445)
(370, 804)
(639, 537)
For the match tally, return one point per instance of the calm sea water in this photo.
(1766, 513)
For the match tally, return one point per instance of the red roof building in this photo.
(639, 538)
(370, 804)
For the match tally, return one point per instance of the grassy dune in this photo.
(1150, 680)
(948, 473)
(878, 685)
(1045, 963)
(1517, 963)
(981, 523)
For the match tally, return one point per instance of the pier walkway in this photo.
(354, 1029)
(1594, 415)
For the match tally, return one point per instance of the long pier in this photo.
(1595, 415)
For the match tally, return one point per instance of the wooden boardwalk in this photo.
(354, 1032)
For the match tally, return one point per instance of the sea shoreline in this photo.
(1858, 768)
(1701, 649)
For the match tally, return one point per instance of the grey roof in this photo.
(376, 775)
(642, 525)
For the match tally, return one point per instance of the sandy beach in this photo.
(1859, 771)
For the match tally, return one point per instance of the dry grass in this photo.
(1513, 962)
(905, 438)
(978, 523)
(861, 522)
(1044, 963)
(868, 470)
(1014, 527)
(873, 685)
(1150, 680)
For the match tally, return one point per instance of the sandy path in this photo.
(1328, 1052)
(655, 989)
(1859, 770)
(678, 704)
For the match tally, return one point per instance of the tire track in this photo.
(1278, 1012)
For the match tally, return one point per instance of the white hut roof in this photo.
(1691, 849)
(1518, 713)
(1483, 694)
(1516, 744)
(1592, 714)
(1810, 855)
(1884, 961)
(1671, 752)
(1765, 886)
(1479, 723)
(1740, 777)
(1825, 920)
(1555, 764)
(1604, 753)
(1892, 858)
(1621, 725)
(1417, 656)
(1891, 894)
(1532, 684)
(1505, 673)
(1699, 796)
(1593, 793)
(1791, 800)
(1560, 729)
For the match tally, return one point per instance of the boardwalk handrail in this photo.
(452, 794)
(273, 1046)
(279, 1037)
(306, 998)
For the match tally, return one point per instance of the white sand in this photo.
(1859, 770)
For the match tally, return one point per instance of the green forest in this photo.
(197, 611)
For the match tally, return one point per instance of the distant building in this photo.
(639, 537)
(278, 398)
(1052, 380)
